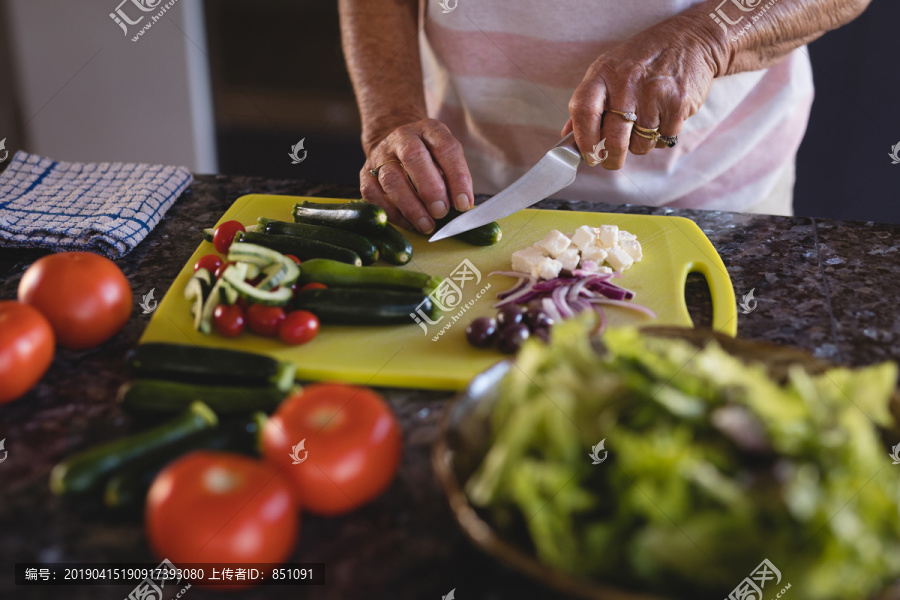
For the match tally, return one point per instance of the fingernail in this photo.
(438, 210)
(425, 225)
(462, 202)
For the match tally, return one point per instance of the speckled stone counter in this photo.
(830, 287)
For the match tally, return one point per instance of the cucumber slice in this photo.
(254, 254)
(208, 234)
(279, 297)
(197, 290)
(284, 274)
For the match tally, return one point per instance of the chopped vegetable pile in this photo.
(712, 467)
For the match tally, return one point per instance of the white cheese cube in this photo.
(594, 254)
(583, 237)
(604, 270)
(624, 235)
(633, 248)
(618, 259)
(569, 258)
(548, 268)
(524, 260)
(608, 234)
(554, 243)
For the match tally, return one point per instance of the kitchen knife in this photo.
(552, 173)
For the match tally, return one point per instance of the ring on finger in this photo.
(645, 130)
(670, 140)
(374, 172)
(628, 116)
(655, 136)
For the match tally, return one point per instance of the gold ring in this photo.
(645, 130)
(374, 172)
(629, 116)
(655, 137)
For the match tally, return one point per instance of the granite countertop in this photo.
(825, 286)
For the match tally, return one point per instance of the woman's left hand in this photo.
(663, 75)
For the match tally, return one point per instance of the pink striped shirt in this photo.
(500, 74)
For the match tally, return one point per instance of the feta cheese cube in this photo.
(608, 234)
(524, 260)
(554, 243)
(618, 259)
(604, 270)
(583, 237)
(624, 235)
(633, 248)
(594, 253)
(548, 268)
(569, 258)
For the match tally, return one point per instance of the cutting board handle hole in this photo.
(698, 300)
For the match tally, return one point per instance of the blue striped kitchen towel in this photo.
(101, 207)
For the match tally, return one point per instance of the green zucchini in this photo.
(359, 217)
(486, 235)
(301, 248)
(197, 291)
(392, 245)
(196, 364)
(208, 234)
(89, 469)
(127, 487)
(233, 278)
(337, 274)
(363, 306)
(221, 293)
(156, 395)
(367, 251)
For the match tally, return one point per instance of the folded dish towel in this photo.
(101, 207)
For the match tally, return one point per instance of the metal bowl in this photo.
(465, 437)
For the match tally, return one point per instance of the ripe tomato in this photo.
(298, 327)
(210, 262)
(86, 297)
(228, 320)
(353, 443)
(26, 348)
(216, 507)
(224, 235)
(293, 258)
(315, 285)
(264, 320)
(218, 272)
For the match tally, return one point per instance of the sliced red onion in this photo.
(550, 309)
(601, 326)
(559, 300)
(552, 284)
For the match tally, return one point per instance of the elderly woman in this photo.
(711, 97)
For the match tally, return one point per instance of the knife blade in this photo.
(552, 173)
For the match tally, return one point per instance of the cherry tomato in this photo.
(222, 268)
(315, 285)
(353, 442)
(298, 327)
(216, 507)
(224, 235)
(210, 262)
(86, 297)
(228, 320)
(293, 258)
(264, 320)
(26, 348)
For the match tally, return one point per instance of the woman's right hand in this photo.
(432, 174)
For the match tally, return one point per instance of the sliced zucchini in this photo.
(278, 297)
(197, 290)
(253, 254)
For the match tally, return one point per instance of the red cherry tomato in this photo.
(224, 235)
(228, 320)
(313, 286)
(26, 348)
(264, 320)
(298, 327)
(222, 268)
(293, 258)
(216, 507)
(354, 444)
(210, 262)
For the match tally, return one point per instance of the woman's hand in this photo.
(663, 75)
(433, 172)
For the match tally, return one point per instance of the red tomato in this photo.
(298, 327)
(224, 235)
(26, 348)
(218, 272)
(216, 507)
(228, 320)
(353, 442)
(86, 297)
(210, 262)
(293, 258)
(264, 320)
(315, 285)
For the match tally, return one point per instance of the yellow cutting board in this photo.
(417, 356)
